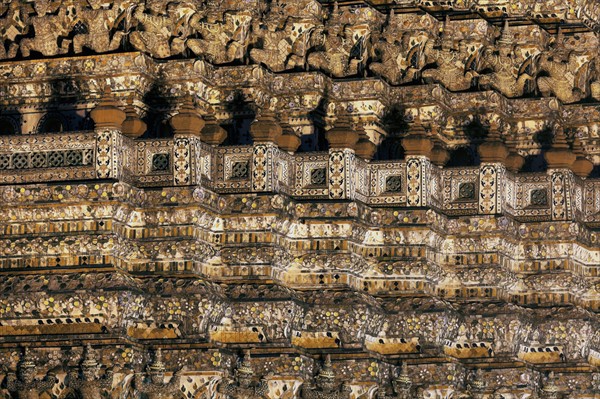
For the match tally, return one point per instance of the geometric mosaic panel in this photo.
(46, 159)
(160, 162)
(393, 184)
(539, 197)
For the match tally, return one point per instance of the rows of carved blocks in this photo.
(207, 250)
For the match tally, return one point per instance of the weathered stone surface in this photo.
(350, 267)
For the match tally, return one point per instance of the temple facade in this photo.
(237, 199)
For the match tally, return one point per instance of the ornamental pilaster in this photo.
(108, 119)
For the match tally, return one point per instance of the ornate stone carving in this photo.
(156, 387)
(48, 29)
(241, 387)
(12, 24)
(344, 48)
(549, 389)
(402, 386)
(286, 47)
(98, 23)
(24, 385)
(451, 64)
(567, 73)
(401, 53)
(224, 41)
(89, 385)
(157, 24)
(507, 76)
(325, 385)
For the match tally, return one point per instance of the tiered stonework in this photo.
(299, 199)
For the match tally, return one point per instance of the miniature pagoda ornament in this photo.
(24, 385)
(493, 149)
(89, 385)
(325, 385)
(559, 155)
(342, 135)
(417, 142)
(241, 387)
(156, 388)
(514, 161)
(364, 147)
(582, 166)
(266, 128)
(507, 76)
(549, 389)
(212, 133)
(402, 386)
(187, 121)
(133, 126)
(477, 385)
(106, 115)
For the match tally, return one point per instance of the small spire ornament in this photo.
(559, 155)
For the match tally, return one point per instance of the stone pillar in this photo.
(417, 148)
(187, 125)
(342, 139)
(265, 132)
(493, 154)
(108, 119)
(560, 159)
(212, 134)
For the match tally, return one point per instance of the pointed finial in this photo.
(364, 148)
(187, 121)
(560, 139)
(157, 366)
(446, 35)
(560, 36)
(245, 366)
(559, 155)
(27, 361)
(89, 357)
(506, 36)
(493, 149)
(326, 371)
(106, 114)
(212, 133)
(404, 369)
(582, 166)
(133, 126)
(342, 135)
